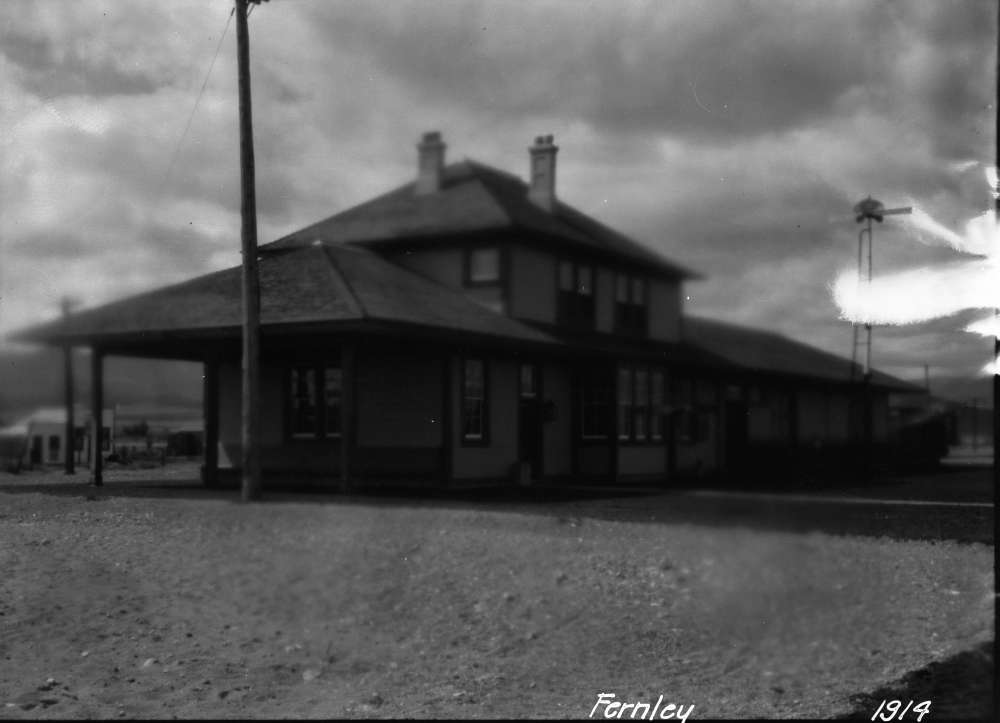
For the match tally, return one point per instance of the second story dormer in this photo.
(514, 247)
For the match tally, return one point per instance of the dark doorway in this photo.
(736, 436)
(36, 449)
(530, 419)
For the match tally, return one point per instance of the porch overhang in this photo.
(199, 344)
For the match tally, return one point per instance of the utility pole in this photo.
(70, 450)
(251, 487)
(975, 423)
(996, 312)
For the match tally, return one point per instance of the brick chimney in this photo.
(543, 172)
(430, 163)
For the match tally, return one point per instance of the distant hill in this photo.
(35, 378)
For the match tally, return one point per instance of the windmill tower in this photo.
(866, 211)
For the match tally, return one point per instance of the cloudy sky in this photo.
(733, 136)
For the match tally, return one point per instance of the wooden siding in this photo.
(642, 460)
(604, 299)
(595, 459)
(272, 409)
(494, 460)
(532, 284)
(441, 265)
(399, 401)
(558, 432)
(811, 409)
(665, 308)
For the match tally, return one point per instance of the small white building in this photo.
(43, 433)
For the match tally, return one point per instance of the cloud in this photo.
(43, 72)
(721, 69)
(732, 136)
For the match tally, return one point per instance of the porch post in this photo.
(348, 354)
(575, 414)
(447, 420)
(210, 412)
(97, 415)
(70, 444)
(615, 406)
(793, 416)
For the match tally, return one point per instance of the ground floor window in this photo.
(528, 381)
(313, 401)
(695, 404)
(625, 403)
(475, 408)
(780, 409)
(640, 403)
(657, 400)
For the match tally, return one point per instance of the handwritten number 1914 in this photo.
(888, 709)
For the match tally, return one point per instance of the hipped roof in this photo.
(475, 198)
(330, 284)
(306, 285)
(325, 274)
(769, 352)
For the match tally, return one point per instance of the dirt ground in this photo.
(163, 601)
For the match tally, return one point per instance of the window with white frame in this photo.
(631, 316)
(483, 266)
(656, 401)
(313, 401)
(625, 405)
(696, 403)
(575, 301)
(475, 408)
(640, 403)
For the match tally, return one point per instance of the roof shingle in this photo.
(474, 197)
(303, 285)
(765, 351)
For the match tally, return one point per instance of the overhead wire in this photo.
(176, 151)
(194, 109)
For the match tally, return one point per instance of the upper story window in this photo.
(482, 266)
(575, 306)
(630, 304)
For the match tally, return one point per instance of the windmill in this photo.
(865, 211)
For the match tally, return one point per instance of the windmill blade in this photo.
(896, 211)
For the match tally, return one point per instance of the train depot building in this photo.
(469, 327)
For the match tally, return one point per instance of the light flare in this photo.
(916, 295)
(981, 236)
(988, 326)
(991, 368)
(993, 180)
